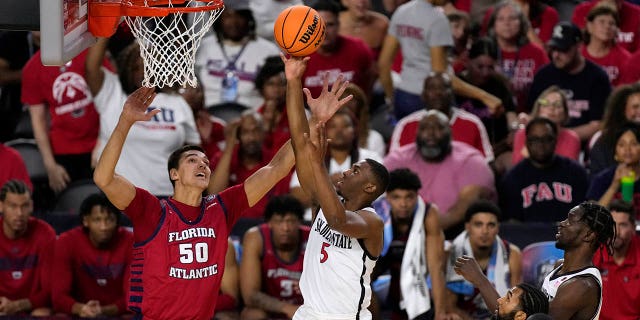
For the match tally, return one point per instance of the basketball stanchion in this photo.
(169, 33)
(299, 30)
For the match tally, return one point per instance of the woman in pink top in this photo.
(551, 104)
(600, 41)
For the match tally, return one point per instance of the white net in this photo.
(168, 44)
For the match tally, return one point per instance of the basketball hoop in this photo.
(169, 33)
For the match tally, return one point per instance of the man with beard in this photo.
(406, 216)
(272, 255)
(453, 174)
(523, 301)
(575, 287)
(245, 153)
(91, 263)
(496, 258)
(544, 186)
(620, 272)
(26, 245)
(437, 94)
(585, 84)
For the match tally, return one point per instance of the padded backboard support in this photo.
(64, 30)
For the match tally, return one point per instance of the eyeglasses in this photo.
(541, 140)
(547, 103)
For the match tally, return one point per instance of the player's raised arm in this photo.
(119, 190)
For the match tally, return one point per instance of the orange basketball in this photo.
(299, 30)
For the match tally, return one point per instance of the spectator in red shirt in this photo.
(272, 85)
(26, 245)
(600, 41)
(629, 34)
(91, 264)
(631, 69)
(620, 272)
(67, 140)
(13, 166)
(244, 153)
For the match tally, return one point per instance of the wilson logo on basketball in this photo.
(311, 29)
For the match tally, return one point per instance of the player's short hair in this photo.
(404, 179)
(281, 205)
(327, 5)
(14, 186)
(533, 300)
(600, 221)
(380, 174)
(98, 199)
(174, 158)
(484, 206)
(541, 121)
(619, 205)
(272, 66)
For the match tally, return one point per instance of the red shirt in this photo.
(620, 284)
(279, 134)
(178, 257)
(354, 59)
(465, 127)
(63, 90)
(520, 67)
(612, 63)
(84, 272)
(280, 277)
(13, 166)
(631, 70)
(25, 263)
(629, 34)
(238, 173)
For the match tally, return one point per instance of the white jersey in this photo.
(336, 276)
(552, 282)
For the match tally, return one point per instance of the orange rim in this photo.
(137, 8)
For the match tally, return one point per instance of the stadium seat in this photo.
(30, 153)
(227, 111)
(538, 259)
(69, 200)
(524, 234)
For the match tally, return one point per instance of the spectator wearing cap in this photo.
(584, 83)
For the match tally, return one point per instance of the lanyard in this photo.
(231, 64)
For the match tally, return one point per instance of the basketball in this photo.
(299, 30)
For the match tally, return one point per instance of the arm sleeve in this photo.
(440, 32)
(62, 282)
(235, 203)
(144, 212)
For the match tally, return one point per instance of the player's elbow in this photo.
(101, 180)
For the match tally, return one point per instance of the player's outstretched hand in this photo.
(135, 108)
(468, 267)
(294, 67)
(329, 100)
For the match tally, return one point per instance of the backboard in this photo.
(64, 30)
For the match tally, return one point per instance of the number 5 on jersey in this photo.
(200, 250)
(324, 253)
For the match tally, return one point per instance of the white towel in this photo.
(498, 265)
(415, 294)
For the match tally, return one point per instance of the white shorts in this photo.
(306, 313)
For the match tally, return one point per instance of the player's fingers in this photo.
(283, 57)
(307, 93)
(325, 82)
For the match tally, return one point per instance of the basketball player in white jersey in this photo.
(575, 287)
(346, 235)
